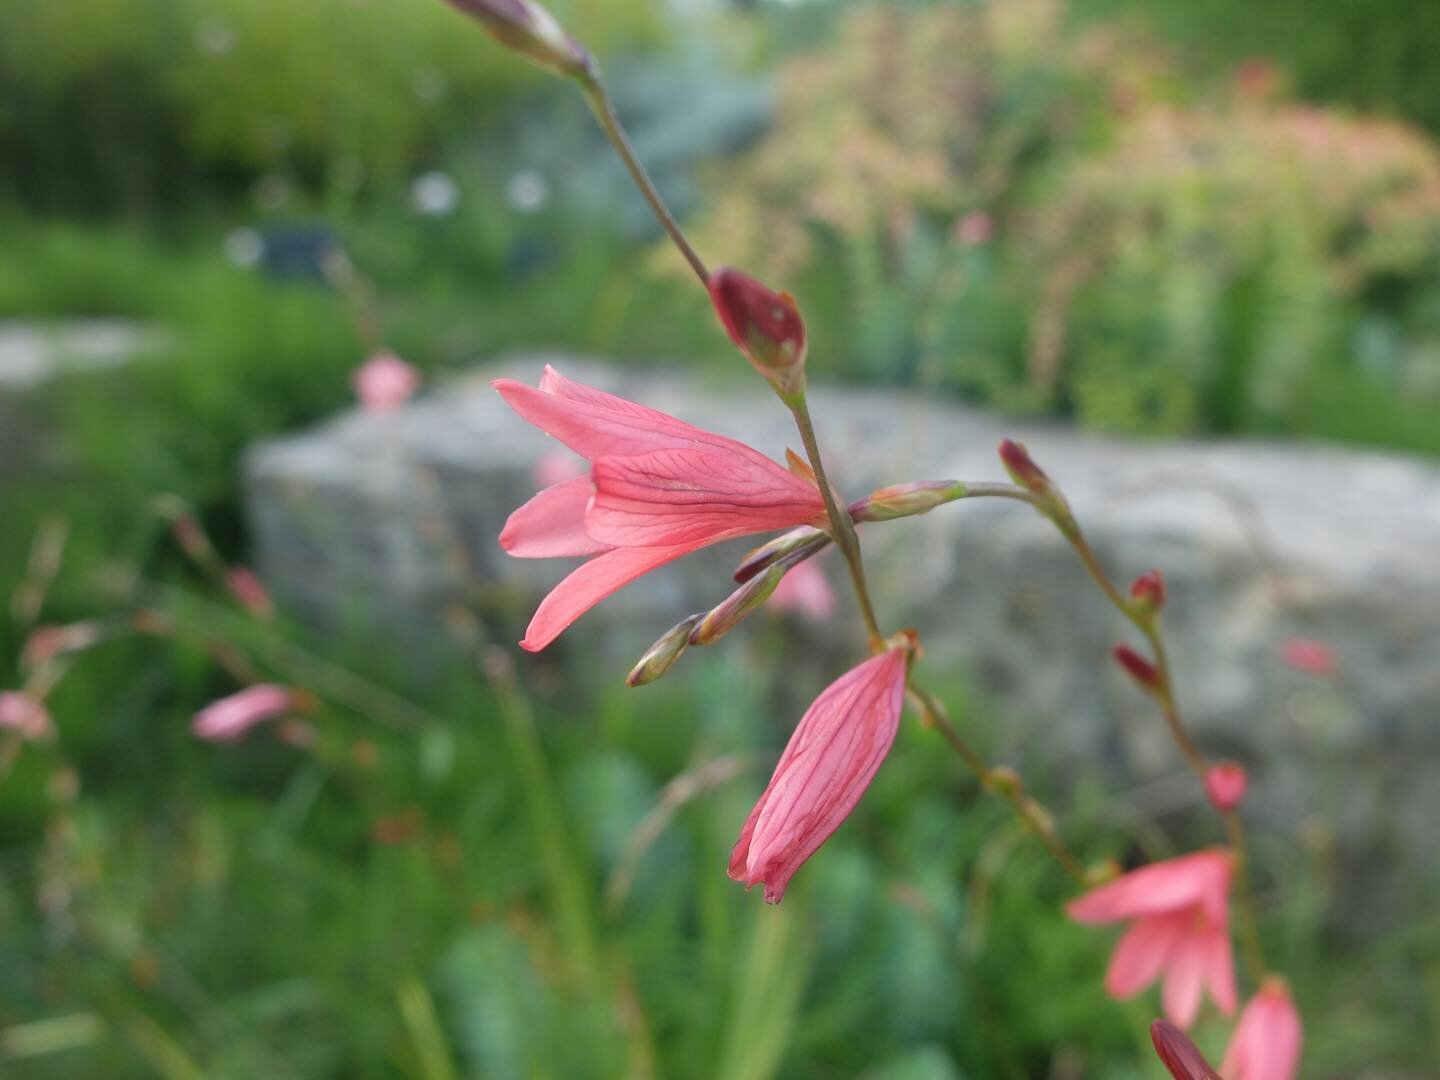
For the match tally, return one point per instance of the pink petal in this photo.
(231, 717)
(1184, 979)
(1220, 969)
(590, 583)
(1141, 953)
(552, 382)
(694, 496)
(1267, 1039)
(1202, 877)
(830, 760)
(552, 524)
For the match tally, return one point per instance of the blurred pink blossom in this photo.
(1225, 783)
(827, 765)
(805, 591)
(45, 643)
(384, 382)
(1180, 915)
(975, 228)
(249, 591)
(1310, 656)
(1266, 1041)
(231, 717)
(24, 716)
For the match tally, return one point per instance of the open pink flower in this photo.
(1266, 1042)
(658, 489)
(24, 715)
(1180, 915)
(384, 382)
(231, 717)
(827, 765)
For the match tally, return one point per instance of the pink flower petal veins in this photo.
(590, 583)
(826, 767)
(552, 524)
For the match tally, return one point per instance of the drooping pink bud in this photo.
(1147, 593)
(531, 31)
(24, 715)
(1225, 783)
(906, 500)
(1181, 1056)
(1140, 669)
(1310, 656)
(384, 382)
(1267, 1038)
(659, 658)
(827, 765)
(765, 325)
(731, 611)
(249, 591)
(1022, 468)
(231, 717)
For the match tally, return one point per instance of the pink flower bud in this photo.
(906, 500)
(1311, 657)
(25, 716)
(1266, 1042)
(229, 718)
(1225, 784)
(528, 29)
(731, 611)
(249, 591)
(827, 765)
(1140, 669)
(660, 656)
(805, 538)
(1147, 593)
(1181, 1056)
(766, 326)
(1022, 468)
(384, 382)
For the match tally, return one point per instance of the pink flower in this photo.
(827, 765)
(249, 591)
(24, 716)
(805, 591)
(1225, 783)
(975, 228)
(1179, 910)
(1311, 657)
(384, 382)
(231, 717)
(1266, 1042)
(658, 489)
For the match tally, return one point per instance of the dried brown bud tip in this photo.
(1147, 593)
(906, 500)
(528, 29)
(660, 656)
(765, 325)
(1181, 1056)
(1140, 669)
(731, 611)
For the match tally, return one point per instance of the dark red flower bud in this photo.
(1178, 1054)
(765, 325)
(1225, 783)
(1022, 468)
(531, 31)
(1140, 669)
(1147, 593)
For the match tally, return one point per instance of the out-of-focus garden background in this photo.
(1146, 219)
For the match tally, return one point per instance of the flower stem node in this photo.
(1147, 596)
(1004, 780)
(906, 500)
(765, 326)
(525, 27)
(659, 658)
(1225, 784)
(1145, 674)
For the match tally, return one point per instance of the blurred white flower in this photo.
(215, 37)
(527, 191)
(244, 246)
(434, 194)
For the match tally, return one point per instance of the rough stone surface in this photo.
(396, 516)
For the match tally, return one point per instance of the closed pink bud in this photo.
(249, 591)
(1147, 593)
(906, 500)
(765, 325)
(736, 607)
(384, 382)
(826, 767)
(806, 538)
(1181, 1056)
(1022, 468)
(661, 656)
(531, 31)
(24, 716)
(1266, 1042)
(1225, 784)
(229, 718)
(1140, 669)
(1311, 657)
